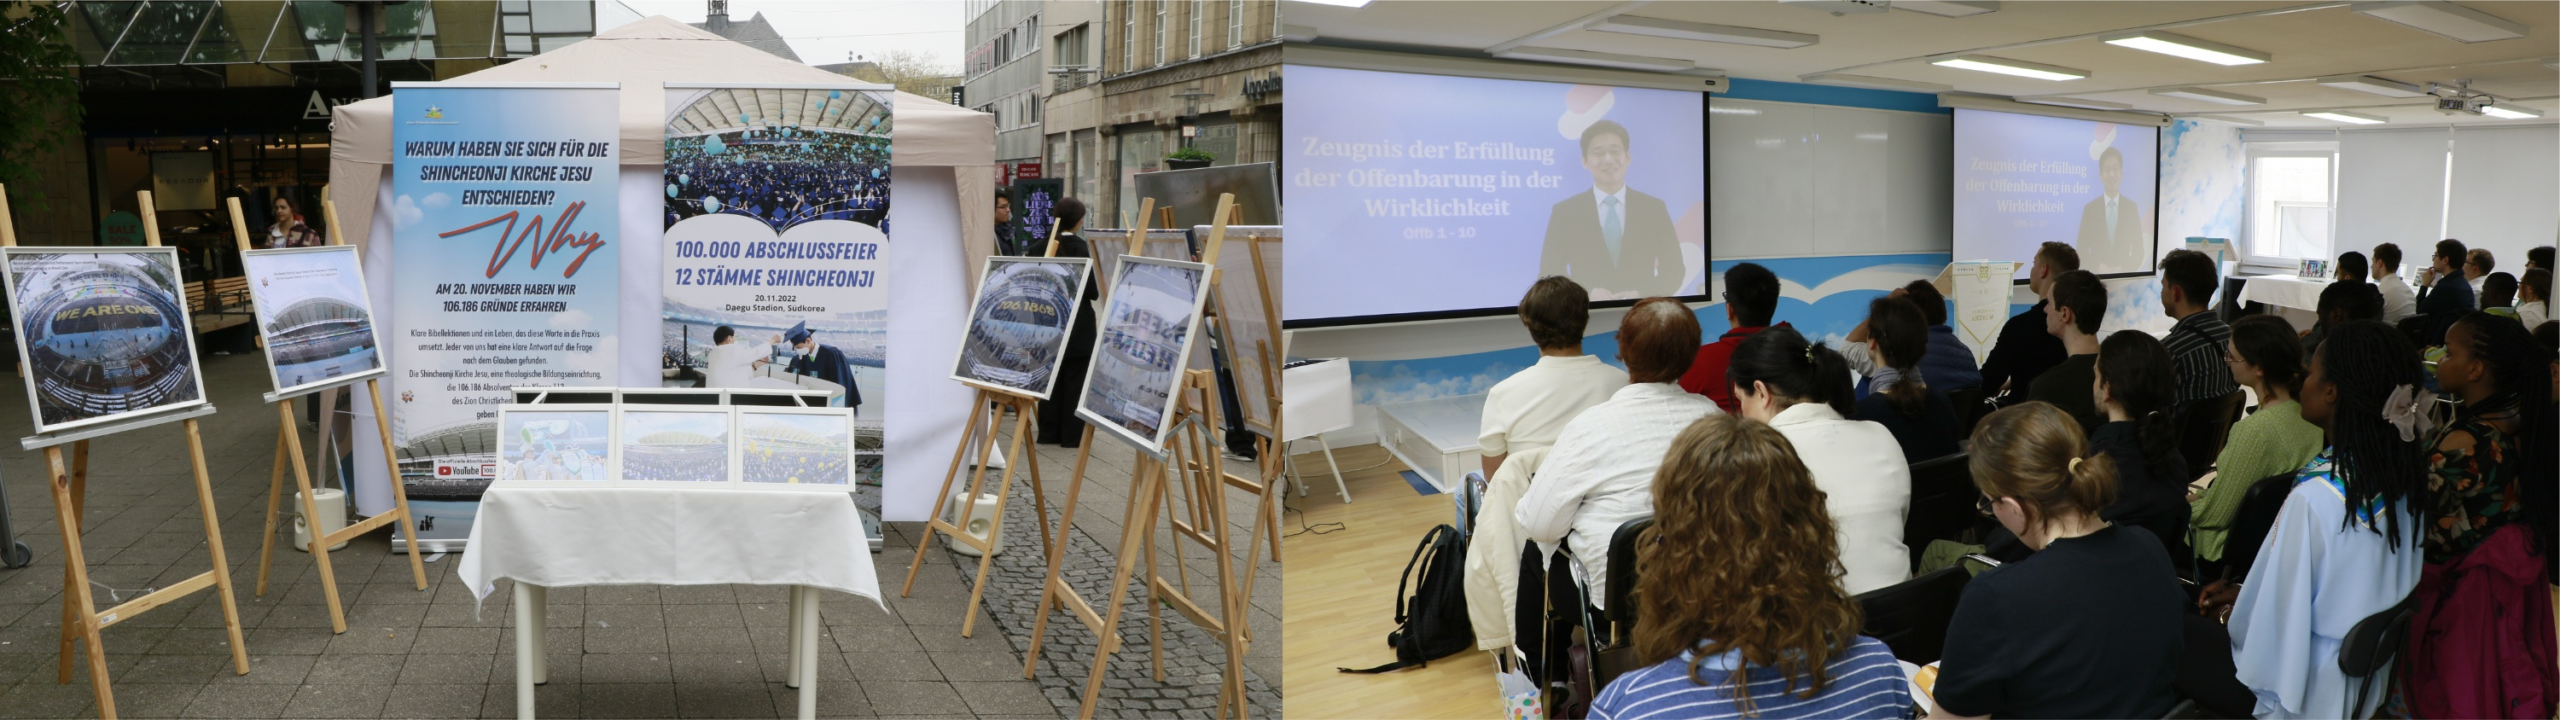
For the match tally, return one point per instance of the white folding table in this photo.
(549, 537)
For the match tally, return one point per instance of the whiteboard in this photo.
(1796, 180)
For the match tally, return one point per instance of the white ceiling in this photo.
(2307, 40)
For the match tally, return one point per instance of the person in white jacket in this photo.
(1802, 389)
(1599, 474)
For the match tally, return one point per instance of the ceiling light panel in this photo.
(2510, 112)
(1868, 81)
(1343, 3)
(1682, 30)
(1597, 59)
(2076, 102)
(2005, 66)
(2343, 116)
(2212, 96)
(2455, 22)
(2167, 43)
(2375, 85)
(2229, 120)
(1948, 8)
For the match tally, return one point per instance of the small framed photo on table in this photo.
(794, 448)
(672, 444)
(555, 445)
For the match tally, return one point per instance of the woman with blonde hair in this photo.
(1738, 609)
(2088, 626)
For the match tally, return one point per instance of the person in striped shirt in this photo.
(1766, 632)
(2187, 282)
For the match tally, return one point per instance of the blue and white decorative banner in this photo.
(505, 235)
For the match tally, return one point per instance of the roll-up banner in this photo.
(504, 233)
(776, 252)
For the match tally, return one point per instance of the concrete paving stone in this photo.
(626, 616)
(622, 595)
(626, 668)
(707, 699)
(444, 640)
(625, 700)
(885, 637)
(375, 640)
(841, 700)
(978, 666)
(493, 614)
(625, 639)
(349, 669)
(268, 670)
(155, 701)
(894, 698)
(337, 701)
(564, 671)
(238, 701)
(715, 668)
(704, 615)
(1003, 698)
(698, 595)
(48, 700)
(555, 641)
(391, 616)
(194, 641)
(442, 700)
(883, 666)
(425, 669)
(174, 669)
(710, 640)
(287, 640)
(554, 700)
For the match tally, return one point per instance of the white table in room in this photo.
(2295, 298)
(549, 537)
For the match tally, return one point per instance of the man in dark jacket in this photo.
(822, 362)
(2024, 350)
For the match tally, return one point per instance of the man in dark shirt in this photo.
(2195, 343)
(2072, 311)
(1009, 236)
(2443, 295)
(2024, 349)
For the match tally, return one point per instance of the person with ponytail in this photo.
(2088, 625)
(1738, 612)
(1922, 419)
(2265, 358)
(2346, 544)
(2137, 391)
(1802, 389)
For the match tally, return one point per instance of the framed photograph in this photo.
(102, 333)
(672, 444)
(565, 445)
(314, 313)
(1018, 327)
(795, 448)
(1148, 325)
(2315, 268)
(1248, 315)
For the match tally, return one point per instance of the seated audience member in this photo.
(2088, 625)
(2351, 268)
(1599, 474)
(2476, 266)
(2498, 292)
(2344, 547)
(2187, 282)
(1528, 409)
(2134, 391)
(1802, 389)
(2341, 303)
(2263, 356)
(1921, 418)
(1947, 365)
(2445, 296)
(1750, 298)
(2538, 258)
(2398, 301)
(2072, 311)
(1740, 615)
(2481, 466)
(2026, 347)
(2533, 298)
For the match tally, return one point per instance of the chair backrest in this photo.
(2205, 426)
(2375, 640)
(1968, 404)
(1911, 618)
(2255, 518)
(1623, 573)
(1942, 503)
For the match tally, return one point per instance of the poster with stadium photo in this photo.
(777, 217)
(102, 334)
(1148, 323)
(565, 445)
(668, 444)
(795, 448)
(1018, 327)
(316, 318)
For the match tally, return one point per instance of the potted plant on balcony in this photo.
(1188, 158)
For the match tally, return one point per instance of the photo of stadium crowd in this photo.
(102, 333)
(782, 156)
(1154, 304)
(675, 446)
(554, 445)
(794, 448)
(1018, 327)
(313, 312)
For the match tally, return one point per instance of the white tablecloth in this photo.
(566, 537)
(2283, 291)
(1315, 398)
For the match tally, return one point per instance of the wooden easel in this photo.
(289, 452)
(81, 620)
(1203, 519)
(990, 405)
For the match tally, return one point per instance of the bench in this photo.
(218, 304)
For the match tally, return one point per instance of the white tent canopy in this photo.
(940, 155)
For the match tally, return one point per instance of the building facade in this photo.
(1003, 76)
(1202, 73)
(1072, 30)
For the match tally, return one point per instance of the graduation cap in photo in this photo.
(798, 333)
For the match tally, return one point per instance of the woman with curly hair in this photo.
(2088, 625)
(1738, 611)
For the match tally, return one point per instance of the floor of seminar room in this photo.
(1342, 598)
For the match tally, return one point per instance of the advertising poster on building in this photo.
(1034, 203)
(776, 257)
(504, 233)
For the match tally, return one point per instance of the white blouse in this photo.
(1867, 485)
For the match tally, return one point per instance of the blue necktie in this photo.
(1609, 227)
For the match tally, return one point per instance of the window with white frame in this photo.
(1160, 23)
(1235, 24)
(1199, 13)
(1128, 36)
(2291, 188)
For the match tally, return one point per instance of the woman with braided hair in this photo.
(2136, 391)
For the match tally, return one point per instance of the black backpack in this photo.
(1431, 621)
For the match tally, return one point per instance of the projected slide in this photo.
(1423, 193)
(2024, 180)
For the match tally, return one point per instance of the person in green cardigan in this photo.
(2264, 355)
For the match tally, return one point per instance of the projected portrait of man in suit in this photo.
(1611, 239)
(2111, 237)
